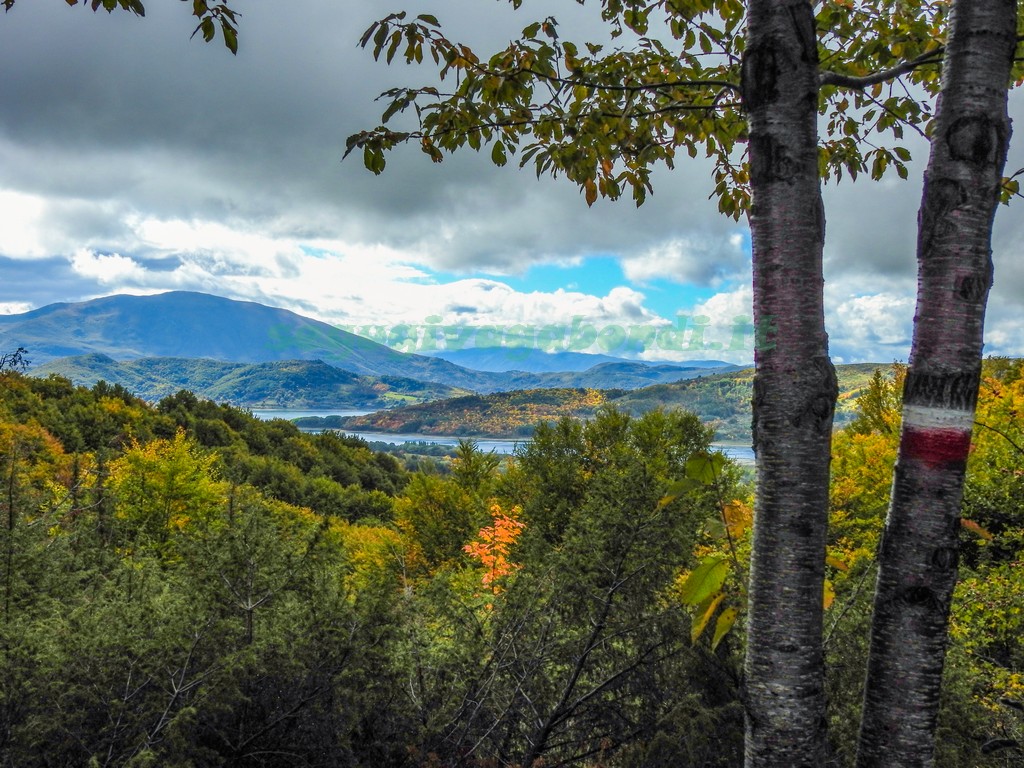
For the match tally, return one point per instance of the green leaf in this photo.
(498, 154)
(705, 580)
(704, 467)
(677, 489)
(396, 40)
(230, 37)
(722, 626)
(715, 528)
(374, 160)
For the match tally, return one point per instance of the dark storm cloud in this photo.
(131, 111)
(113, 119)
(42, 281)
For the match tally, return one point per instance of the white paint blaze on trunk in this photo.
(917, 565)
(794, 392)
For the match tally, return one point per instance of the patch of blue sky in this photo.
(598, 276)
(669, 299)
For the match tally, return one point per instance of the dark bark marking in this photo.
(941, 198)
(819, 221)
(972, 288)
(757, 404)
(957, 391)
(819, 408)
(805, 529)
(944, 558)
(759, 76)
(974, 139)
(770, 161)
(802, 17)
(919, 595)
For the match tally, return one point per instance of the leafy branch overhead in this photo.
(210, 16)
(666, 81)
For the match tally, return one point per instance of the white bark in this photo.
(794, 391)
(917, 568)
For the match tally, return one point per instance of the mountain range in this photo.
(160, 334)
(500, 359)
(279, 384)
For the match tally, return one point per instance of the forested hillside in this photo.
(502, 414)
(183, 584)
(721, 400)
(282, 384)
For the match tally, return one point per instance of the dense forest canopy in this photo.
(183, 584)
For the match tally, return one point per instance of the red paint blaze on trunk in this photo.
(937, 448)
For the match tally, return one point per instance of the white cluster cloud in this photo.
(869, 326)
(111, 269)
(14, 307)
(23, 214)
(707, 260)
(354, 285)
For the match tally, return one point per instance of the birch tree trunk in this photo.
(918, 560)
(794, 391)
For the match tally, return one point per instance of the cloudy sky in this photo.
(136, 160)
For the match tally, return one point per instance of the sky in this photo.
(134, 159)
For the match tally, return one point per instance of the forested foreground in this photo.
(184, 585)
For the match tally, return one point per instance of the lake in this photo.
(741, 453)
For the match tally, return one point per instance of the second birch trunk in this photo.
(918, 560)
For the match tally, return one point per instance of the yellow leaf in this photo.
(838, 563)
(738, 517)
(701, 623)
(723, 625)
(829, 594)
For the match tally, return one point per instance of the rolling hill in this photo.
(279, 384)
(721, 400)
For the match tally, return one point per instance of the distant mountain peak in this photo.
(188, 324)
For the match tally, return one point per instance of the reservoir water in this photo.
(741, 453)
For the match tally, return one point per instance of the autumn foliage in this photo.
(493, 545)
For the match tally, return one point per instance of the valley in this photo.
(249, 355)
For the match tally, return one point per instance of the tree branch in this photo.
(721, 84)
(1001, 434)
(840, 80)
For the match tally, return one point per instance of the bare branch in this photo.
(840, 80)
